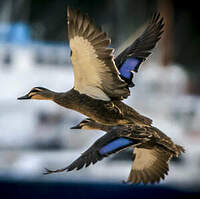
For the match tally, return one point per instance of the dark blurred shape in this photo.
(47, 21)
(194, 84)
(49, 119)
(47, 131)
(32, 190)
(178, 160)
(125, 155)
(7, 59)
(167, 11)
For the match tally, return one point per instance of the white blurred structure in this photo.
(158, 94)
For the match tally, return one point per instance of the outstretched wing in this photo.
(95, 73)
(149, 165)
(130, 59)
(108, 144)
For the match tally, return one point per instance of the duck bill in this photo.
(76, 127)
(25, 97)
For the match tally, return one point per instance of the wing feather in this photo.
(150, 165)
(95, 73)
(109, 143)
(141, 48)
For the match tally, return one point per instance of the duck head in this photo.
(85, 124)
(89, 124)
(38, 93)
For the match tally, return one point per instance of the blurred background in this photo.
(34, 51)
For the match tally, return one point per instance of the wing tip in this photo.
(69, 11)
(158, 20)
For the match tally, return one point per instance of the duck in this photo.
(151, 155)
(101, 81)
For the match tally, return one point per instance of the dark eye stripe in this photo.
(86, 121)
(35, 90)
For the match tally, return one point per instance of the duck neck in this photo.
(50, 95)
(102, 127)
(64, 99)
(45, 95)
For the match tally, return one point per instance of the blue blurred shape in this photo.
(4, 32)
(19, 33)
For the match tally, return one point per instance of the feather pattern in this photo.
(152, 151)
(149, 165)
(128, 67)
(95, 73)
(141, 48)
(115, 145)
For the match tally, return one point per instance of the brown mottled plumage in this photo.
(152, 150)
(98, 87)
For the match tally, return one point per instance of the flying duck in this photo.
(151, 155)
(100, 81)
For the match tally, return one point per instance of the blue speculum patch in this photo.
(131, 64)
(115, 144)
